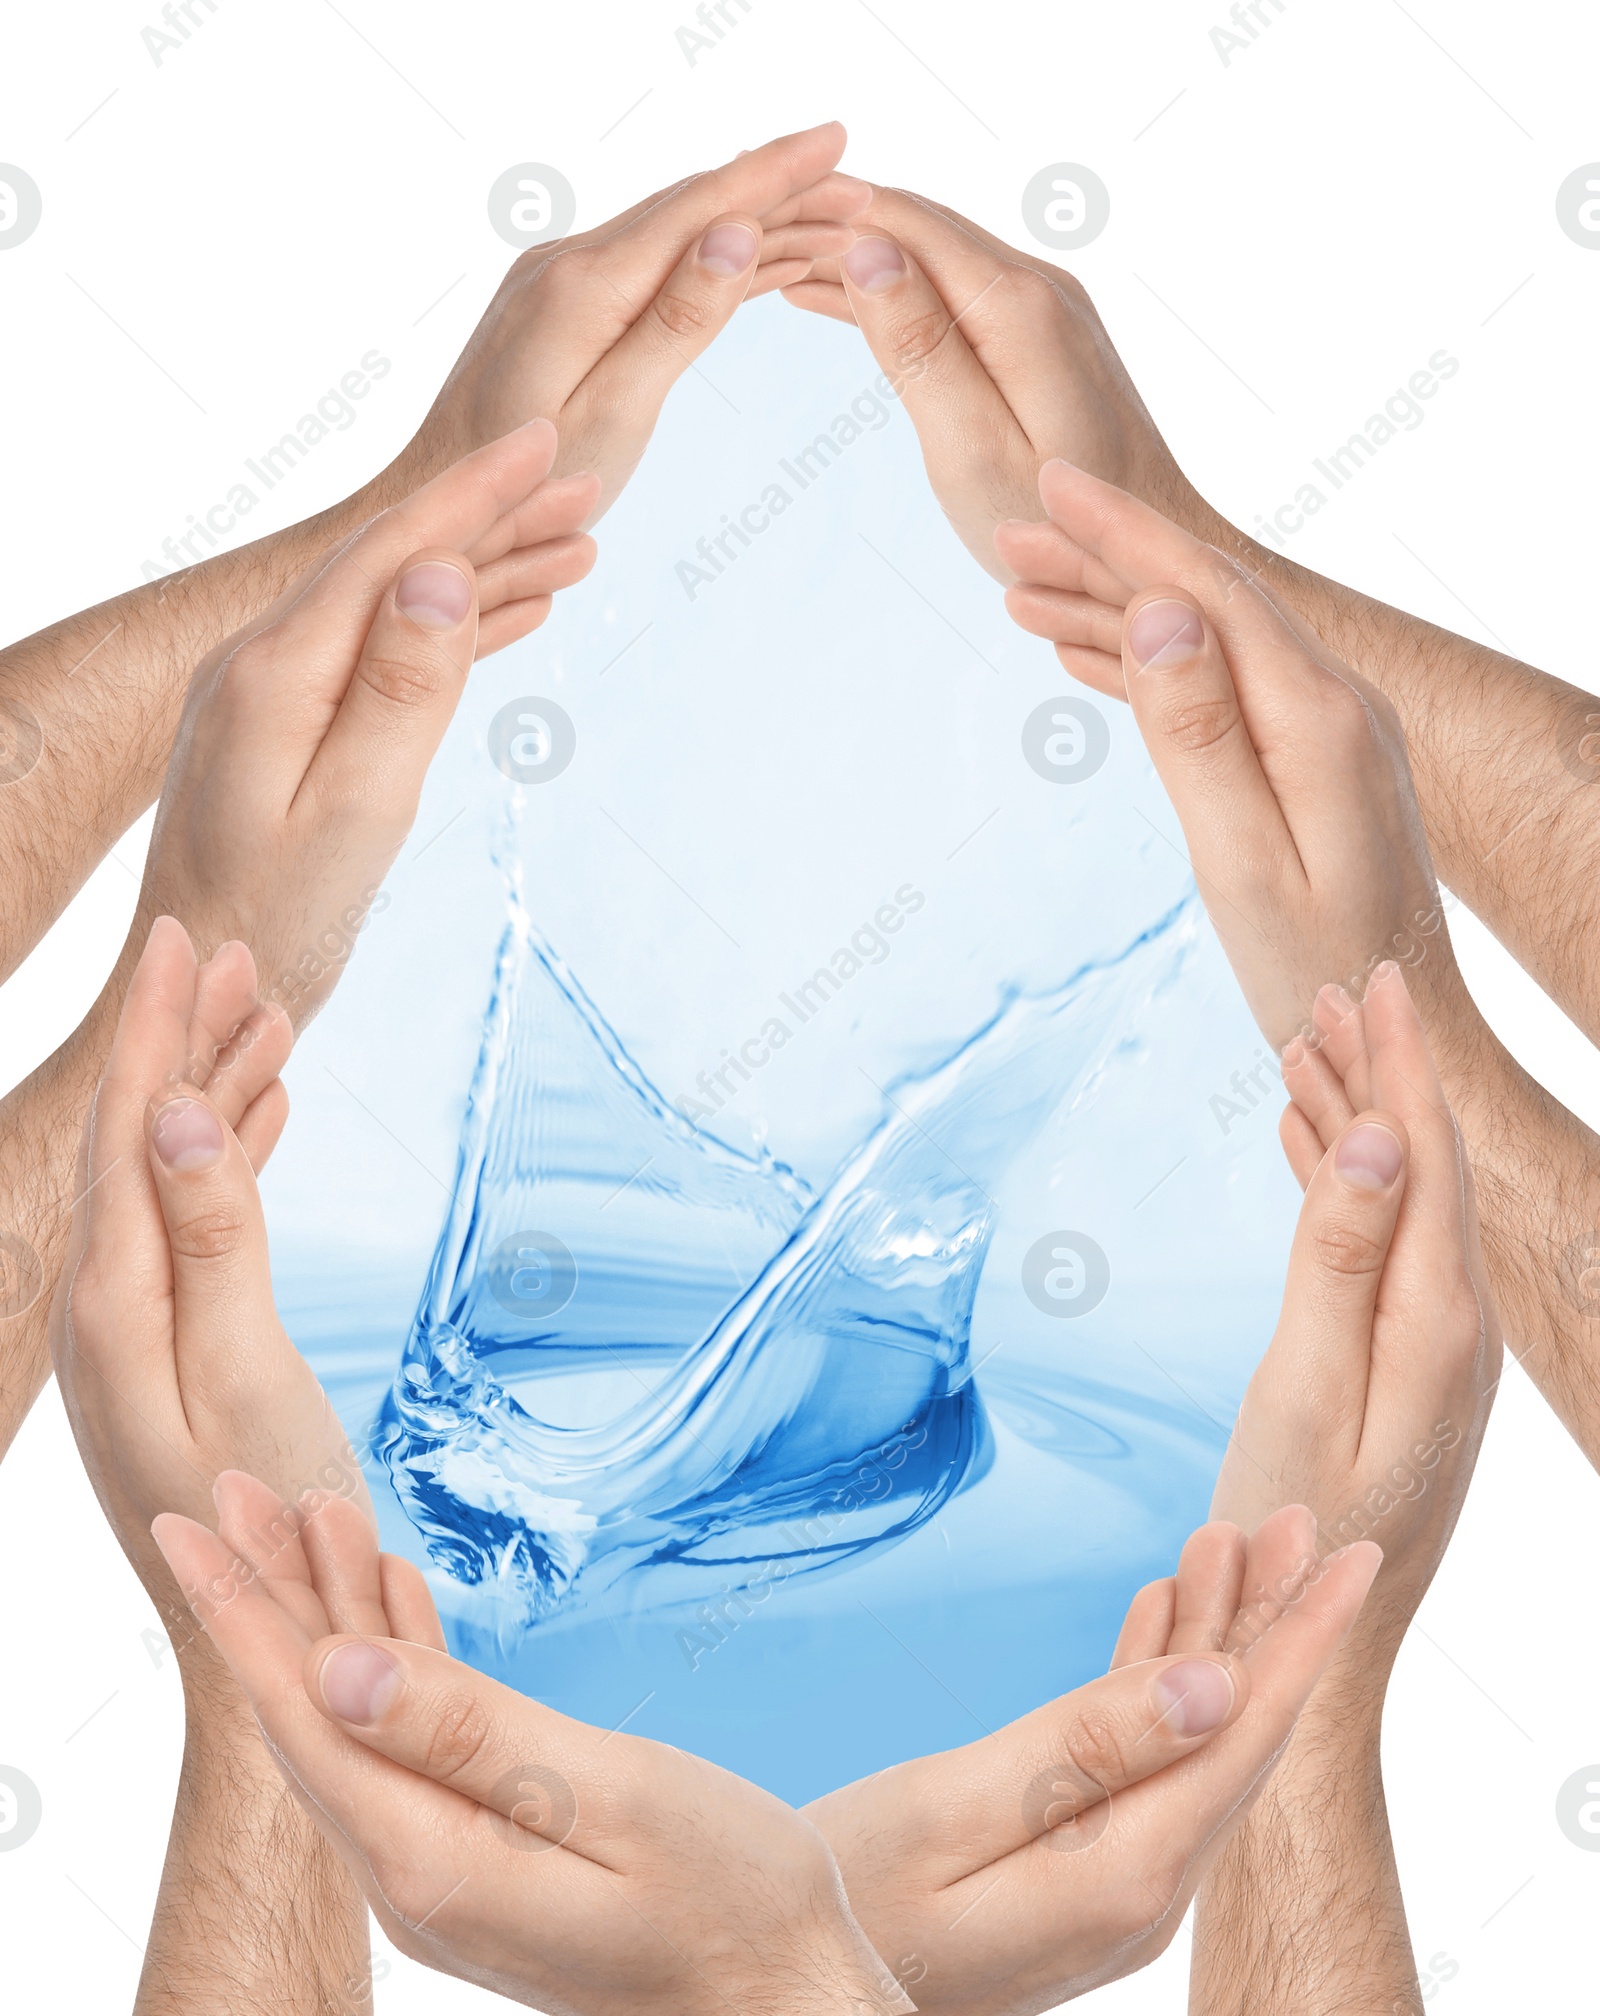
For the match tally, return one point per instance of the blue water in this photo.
(745, 1379)
(736, 1422)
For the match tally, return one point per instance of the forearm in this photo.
(41, 1126)
(1498, 751)
(105, 689)
(1303, 1910)
(256, 1913)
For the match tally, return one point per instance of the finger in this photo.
(554, 510)
(916, 339)
(820, 297)
(511, 621)
(1206, 1597)
(1302, 1144)
(249, 1061)
(260, 1126)
(403, 693)
(408, 1604)
(1147, 1626)
(450, 1724)
(1181, 689)
(112, 1256)
(224, 994)
(1321, 1352)
(1194, 1809)
(265, 1537)
(1317, 1090)
(1043, 555)
(644, 244)
(534, 571)
(341, 1546)
(696, 302)
(1067, 616)
(1341, 1032)
(322, 621)
(221, 1276)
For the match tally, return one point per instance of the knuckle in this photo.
(215, 1231)
(682, 314)
(1098, 1748)
(1195, 727)
(407, 682)
(458, 1739)
(913, 339)
(1345, 1249)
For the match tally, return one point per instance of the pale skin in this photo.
(1005, 366)
(325, 684)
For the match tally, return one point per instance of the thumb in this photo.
(1182, 694)
(696, 300)
(1336, 1265)
(445, 1721)
(221, 1276)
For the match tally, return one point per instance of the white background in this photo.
(1292, 235)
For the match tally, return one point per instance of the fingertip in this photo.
(1370, 1155)
(874, 264)
(728, 248)
(1196, 1695)
(437, 593)
(1162, 628)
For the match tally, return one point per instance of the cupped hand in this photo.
(305, 739)
(172, 1362)
(1002, 362)
(1370, 1403)
(566, 1867)
(1061, 1852)
(593, 331)
(1287, 771)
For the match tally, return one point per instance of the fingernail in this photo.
(1164, 633)
(853, 189)
(1368, 1157)
(727, 249)
(358, 1682)
(874, 263)
(435, 595)
(187, 1135)
(1193, 1698)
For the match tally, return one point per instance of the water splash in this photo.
(745, 1373)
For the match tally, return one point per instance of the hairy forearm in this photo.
(41, 1127)
(1303, 1910)
(1504, 758)
(92, 704)
(255, 1912)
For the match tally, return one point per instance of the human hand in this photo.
(1370, 1403)
(1001, 360)
(172, 1363)
(593, 332)
(1061, 1852)
(563, 1866)
(1287, 771)
(305, 738)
